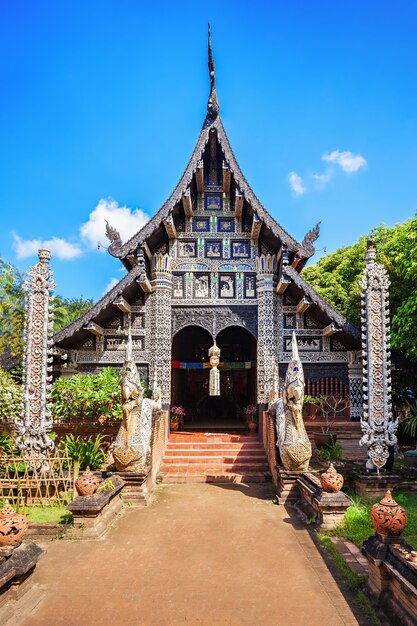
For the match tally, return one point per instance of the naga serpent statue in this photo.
(294, 445)
(131, 450)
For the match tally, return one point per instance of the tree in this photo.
(11, 399)
(336, 277)
(11, 309)
(67, 310)
(12, 316)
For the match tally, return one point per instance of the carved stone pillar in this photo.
(377, 423)
(36, 422)
(266, 267)
(355, 386)
(161, 325)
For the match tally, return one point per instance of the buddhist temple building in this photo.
(213, 265)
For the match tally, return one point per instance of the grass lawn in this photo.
(55, 513)
(357, 524)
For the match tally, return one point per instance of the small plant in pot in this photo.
(251, 414)
(330, 407)
(177, 417)
(409, 427)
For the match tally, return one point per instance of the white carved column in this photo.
(33, 427)
(355, 385)
(161, 325)
(266, 267)
(377, 423)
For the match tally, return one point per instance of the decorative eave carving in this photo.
(100, 306)
(199, 176)
(187, 203)
(304, 304)
(122, 304)
(170, 227)
(309, 239)
(256, 227)
(147, 251)
(331, 329)
(132, 260)
(238, 204)
(226, 178)
(283, 283)
(145, 284)
(94, 329)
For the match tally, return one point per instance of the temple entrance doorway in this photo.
(191, 373)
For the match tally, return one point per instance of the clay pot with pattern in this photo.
(13, 526)
(252, 427)
(388, 517)
(331, 480)
(87, 484)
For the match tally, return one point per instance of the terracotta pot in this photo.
(331, 481)
(174, 425)
(388, 517)
(323, 439)
(252, 427)
(87, 484)
(13, 526)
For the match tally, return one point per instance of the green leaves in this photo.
(84, 397)
(11, 398)
(336, 278)
(84, 452)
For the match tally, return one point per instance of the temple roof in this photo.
(212, 122)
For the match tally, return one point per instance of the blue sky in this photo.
(102, 103)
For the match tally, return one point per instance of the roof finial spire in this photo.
(213, 105)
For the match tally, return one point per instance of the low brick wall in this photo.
(328, 508)
(392, 580)
(93, 514)
(269, 439)
(348, 434)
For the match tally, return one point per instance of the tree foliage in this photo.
(11, 309)
(12, 317)
(336, 277)
(67, 310)
(11, 398)
(87, 397)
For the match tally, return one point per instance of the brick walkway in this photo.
(200, 555)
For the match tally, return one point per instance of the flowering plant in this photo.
(177, 413)
(251, 413)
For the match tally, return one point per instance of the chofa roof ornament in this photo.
(213, 105)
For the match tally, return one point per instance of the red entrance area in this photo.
(190, 377)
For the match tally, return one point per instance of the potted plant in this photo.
(251, 414)
(177, 417)
(310, 407)
(409, 427)
(330, 407)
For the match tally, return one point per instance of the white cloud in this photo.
(348, 161)
(112, 283)
(296, 183)
(122, 218)
(60, 248)
(321, 180)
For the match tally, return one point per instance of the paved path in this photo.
(200, 555)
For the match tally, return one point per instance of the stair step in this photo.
(232, 477)
(215, 458)
(218, 468)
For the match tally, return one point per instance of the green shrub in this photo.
(7, 447)
(11, 398)
(331, 451)
(84, 452)
(87, 397)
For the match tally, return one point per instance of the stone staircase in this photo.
(214, 458)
